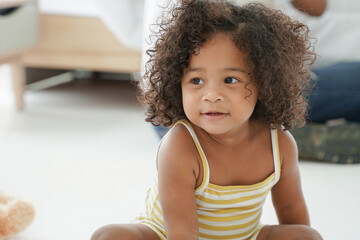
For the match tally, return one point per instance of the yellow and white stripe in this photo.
(224, 212)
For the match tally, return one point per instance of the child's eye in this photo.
(230, 80)
(197, 81)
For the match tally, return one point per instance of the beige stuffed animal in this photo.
(15, 215)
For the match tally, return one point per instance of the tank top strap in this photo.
(276, 153)
(206, 170)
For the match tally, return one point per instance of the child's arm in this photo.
(178, 169)
(287, 195)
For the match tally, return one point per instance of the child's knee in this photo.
(309, 233)
(119, 232)
(290, 232)
(111, 232)
(303, 232)
(103, 233)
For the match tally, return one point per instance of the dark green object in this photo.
(335, 143)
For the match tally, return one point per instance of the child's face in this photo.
(213, 87)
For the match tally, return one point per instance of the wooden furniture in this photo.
(73, 43)
(68, 42)
(18, 29)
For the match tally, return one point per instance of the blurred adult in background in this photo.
(333, 131)
(336, 94)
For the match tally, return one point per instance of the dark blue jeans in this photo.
(336, 94)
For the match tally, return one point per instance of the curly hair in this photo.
(279, 52)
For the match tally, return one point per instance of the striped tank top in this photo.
(224, 212)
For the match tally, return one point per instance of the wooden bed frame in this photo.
(67, 42)
(71, 43)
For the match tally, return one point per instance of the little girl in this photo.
(231, 80)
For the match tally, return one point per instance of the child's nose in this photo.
(212, 94)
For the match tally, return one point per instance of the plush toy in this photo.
(15, 215)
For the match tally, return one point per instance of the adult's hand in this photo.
(310, 7)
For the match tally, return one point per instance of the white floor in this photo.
(84, 156)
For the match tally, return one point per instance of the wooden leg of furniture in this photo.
(18, 80)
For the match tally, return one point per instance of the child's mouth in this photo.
(214, 113)
(213, 116)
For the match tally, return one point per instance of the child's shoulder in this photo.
(177, 153)
(178, 136)
(286, 142)
(287, 146)
(177, 142)
(285, 138)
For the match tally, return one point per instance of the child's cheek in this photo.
(189, 105)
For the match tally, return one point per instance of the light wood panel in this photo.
(68, 42)
(71, 60)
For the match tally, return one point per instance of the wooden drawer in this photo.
(19, 29)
